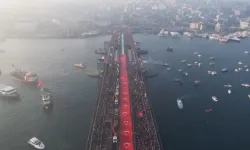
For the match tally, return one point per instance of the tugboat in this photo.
(24, 76)
(170, 49)
(8, 91)
(35, 142)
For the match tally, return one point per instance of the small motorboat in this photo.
(212, 64)
(224, 70)
(183, 61)
(211, 58)
(195, 63)
(240, 63)
(79, 65)
(199, 55)
(249, 96)
(168, 69)
(199, 64)
(196, 53)
(228, 85)
(180, 70)
(213, 73)
(247, 70)
(236, 70)
(179, 103)
(229, 91)
(245, 85)
(209, 110)
(170, 49)
(196, 82)
(165, 64)
(189, 65)
(215, 99)
(246, 52)
(46, 97)
(35, 142)
(24, 76)
(245, 66)
(185, 73)
(8, 91)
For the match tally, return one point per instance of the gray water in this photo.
(66, 128)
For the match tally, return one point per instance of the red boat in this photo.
(25, 77)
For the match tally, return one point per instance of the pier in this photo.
(123, 119)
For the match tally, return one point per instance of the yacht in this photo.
(228, 86)
(245, 85)
(35, 142)
(179, 103)
(229, 91)
(214, 98)
(8, 91)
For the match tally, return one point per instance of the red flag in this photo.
(40, 84)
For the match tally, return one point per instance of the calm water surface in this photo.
(66, 128)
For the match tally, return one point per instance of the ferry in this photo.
(179, 103)
(24, 76)
(8, 91)
(35, 142)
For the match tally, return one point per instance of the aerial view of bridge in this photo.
(123, 119)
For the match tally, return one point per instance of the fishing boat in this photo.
(80, 65)
(8, 91)
(214, 98)
(24, 76)
(228, 85)
(179, 103)
(35, 142)
(229, 91)
(245, 85)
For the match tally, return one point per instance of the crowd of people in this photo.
(103, 123)
(145, 136)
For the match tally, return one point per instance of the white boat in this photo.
(229, 91)
(236, 70)
(185, 73)
(179, 103)
(196, 53)
(213, 73)
(36, 143)
(212, 63)
(195, 63)
(247, 70)
(168, 69)
(214, 98)
(248, 96)
(8, 91)
(240, 63)
(245, 66)
(199, 55)
(228, 86)
(183, 61)
(211, 58)
(246, 52)
(196, 82)
(189, 65)
(180, 70)
(245, 85)
(199, 64)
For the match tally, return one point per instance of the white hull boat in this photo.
(35, 142)
(179, 103)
